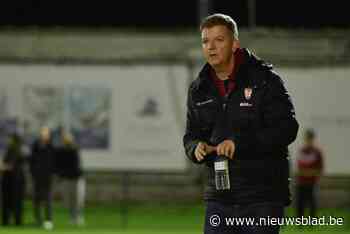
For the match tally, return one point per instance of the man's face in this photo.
(218, 45)
(308, 141)
(45, 134)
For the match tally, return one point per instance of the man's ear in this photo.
(235, 45)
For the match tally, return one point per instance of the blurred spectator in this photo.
(310, 168)
(42, 169)
(13, 181)
(73, 184)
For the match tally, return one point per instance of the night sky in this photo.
(167, 13)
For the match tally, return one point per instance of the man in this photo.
(239, 110)
(310, 168)
(42, 169)
(69, 169)
(13, 181)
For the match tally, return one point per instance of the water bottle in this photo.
(222, 178)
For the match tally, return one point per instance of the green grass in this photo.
(147, 218)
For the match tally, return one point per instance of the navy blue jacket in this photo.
(68, 162)
(42, 163)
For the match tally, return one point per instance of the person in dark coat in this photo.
(42, 167)
(13, 182)
(69, 170)
(240, 122)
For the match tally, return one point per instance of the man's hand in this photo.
(226, 148)
(5, 167)
(309, 172)
(202, 150)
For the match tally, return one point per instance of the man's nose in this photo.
(211, 45)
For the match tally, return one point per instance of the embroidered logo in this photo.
(245, 104)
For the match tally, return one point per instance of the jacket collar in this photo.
(249, 60)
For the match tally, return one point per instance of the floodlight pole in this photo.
(251, 14)
(204, 7)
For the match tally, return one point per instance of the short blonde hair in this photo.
(220, 19)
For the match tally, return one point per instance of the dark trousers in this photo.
(42, 198)
(218, 212)
(12, 198)
(306, 198)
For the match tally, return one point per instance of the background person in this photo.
(42, 169)
(13, 182)
(310, 165)
(68, 166)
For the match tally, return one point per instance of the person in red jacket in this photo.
(310, 168)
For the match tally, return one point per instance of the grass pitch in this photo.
(151, 218)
